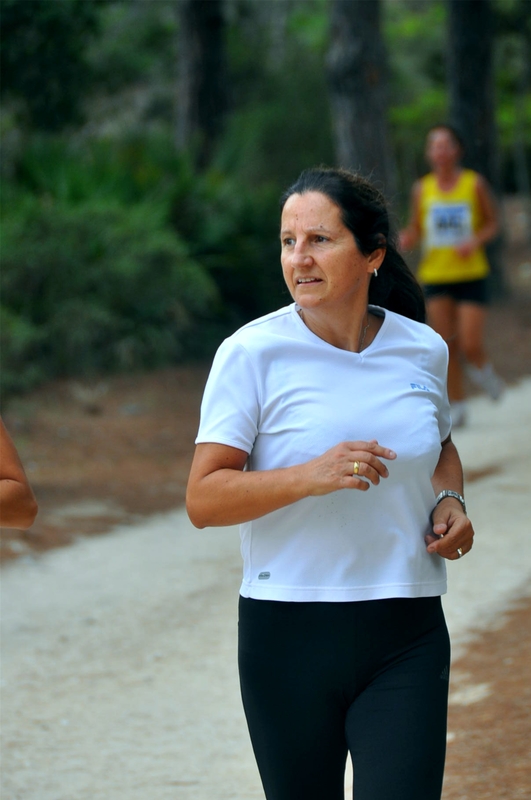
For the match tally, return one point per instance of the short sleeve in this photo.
(230, 407)
(439, 371)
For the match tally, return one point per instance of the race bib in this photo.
(448, 224)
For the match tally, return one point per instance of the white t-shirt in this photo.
(285, 396)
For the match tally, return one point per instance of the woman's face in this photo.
(321, 262)
(442, 150)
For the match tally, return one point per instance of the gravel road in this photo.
(119, 675)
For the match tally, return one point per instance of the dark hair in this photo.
(364, 213)
(444, 126)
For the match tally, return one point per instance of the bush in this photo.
(125, 171)
(117, 254)
(233, 232)
(92, 288)
(229, 222)
(19, 345)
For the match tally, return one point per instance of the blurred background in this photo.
(145, 145)
(144, 148)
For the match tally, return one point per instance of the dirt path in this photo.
(119, 674)
(489, 750)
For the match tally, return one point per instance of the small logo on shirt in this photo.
(419, 386)
(264, 576)
(445, 674)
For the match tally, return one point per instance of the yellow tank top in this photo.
(447, 218)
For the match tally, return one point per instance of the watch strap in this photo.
(450, 493)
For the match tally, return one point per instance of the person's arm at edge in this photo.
(448, 518)
(490, 220)
(18, 506)
(410, 235)
(491, 224)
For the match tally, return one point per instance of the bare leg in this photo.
(471, 325)
(443, 318)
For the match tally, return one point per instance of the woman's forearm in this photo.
(230, 496)
(448, 472)
(453, 533)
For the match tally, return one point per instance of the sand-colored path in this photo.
(119, 676)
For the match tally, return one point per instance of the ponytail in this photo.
(396, 288)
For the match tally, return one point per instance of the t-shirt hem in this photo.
(292, 594)
(221, 440)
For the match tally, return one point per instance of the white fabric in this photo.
(285, 396)
(448, 224)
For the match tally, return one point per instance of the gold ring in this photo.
(356, 468)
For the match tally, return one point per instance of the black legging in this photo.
(320, 679)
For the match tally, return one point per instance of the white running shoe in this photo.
(485, 378)
(458, 413)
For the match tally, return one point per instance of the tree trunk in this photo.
(471, 89)
(202, 77)
(357, 73)
(470, 72)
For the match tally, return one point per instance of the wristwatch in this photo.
(450, 493)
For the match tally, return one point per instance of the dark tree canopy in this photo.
(42, 58)
(471, 89)
(357, 76)
(471, 84)
(202, 76)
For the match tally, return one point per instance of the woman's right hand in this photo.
(348, 465)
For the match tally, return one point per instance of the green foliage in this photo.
(20, 341)
(94, 287)
(281, 122)
(128, 169)
(233, 231)
(416, 45)
(309, 25)
(229, 226)
(117, 255)
(116, 252)
(513, 91)
(138, 46)
(42, 58)
(414, 32)
(266, 142)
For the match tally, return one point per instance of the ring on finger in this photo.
(459, 553)
(355, 467)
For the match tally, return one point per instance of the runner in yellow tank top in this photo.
(453, 215)
(447, 219)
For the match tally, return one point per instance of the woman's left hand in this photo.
(452, 531)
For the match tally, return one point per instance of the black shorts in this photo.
(461, 292)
